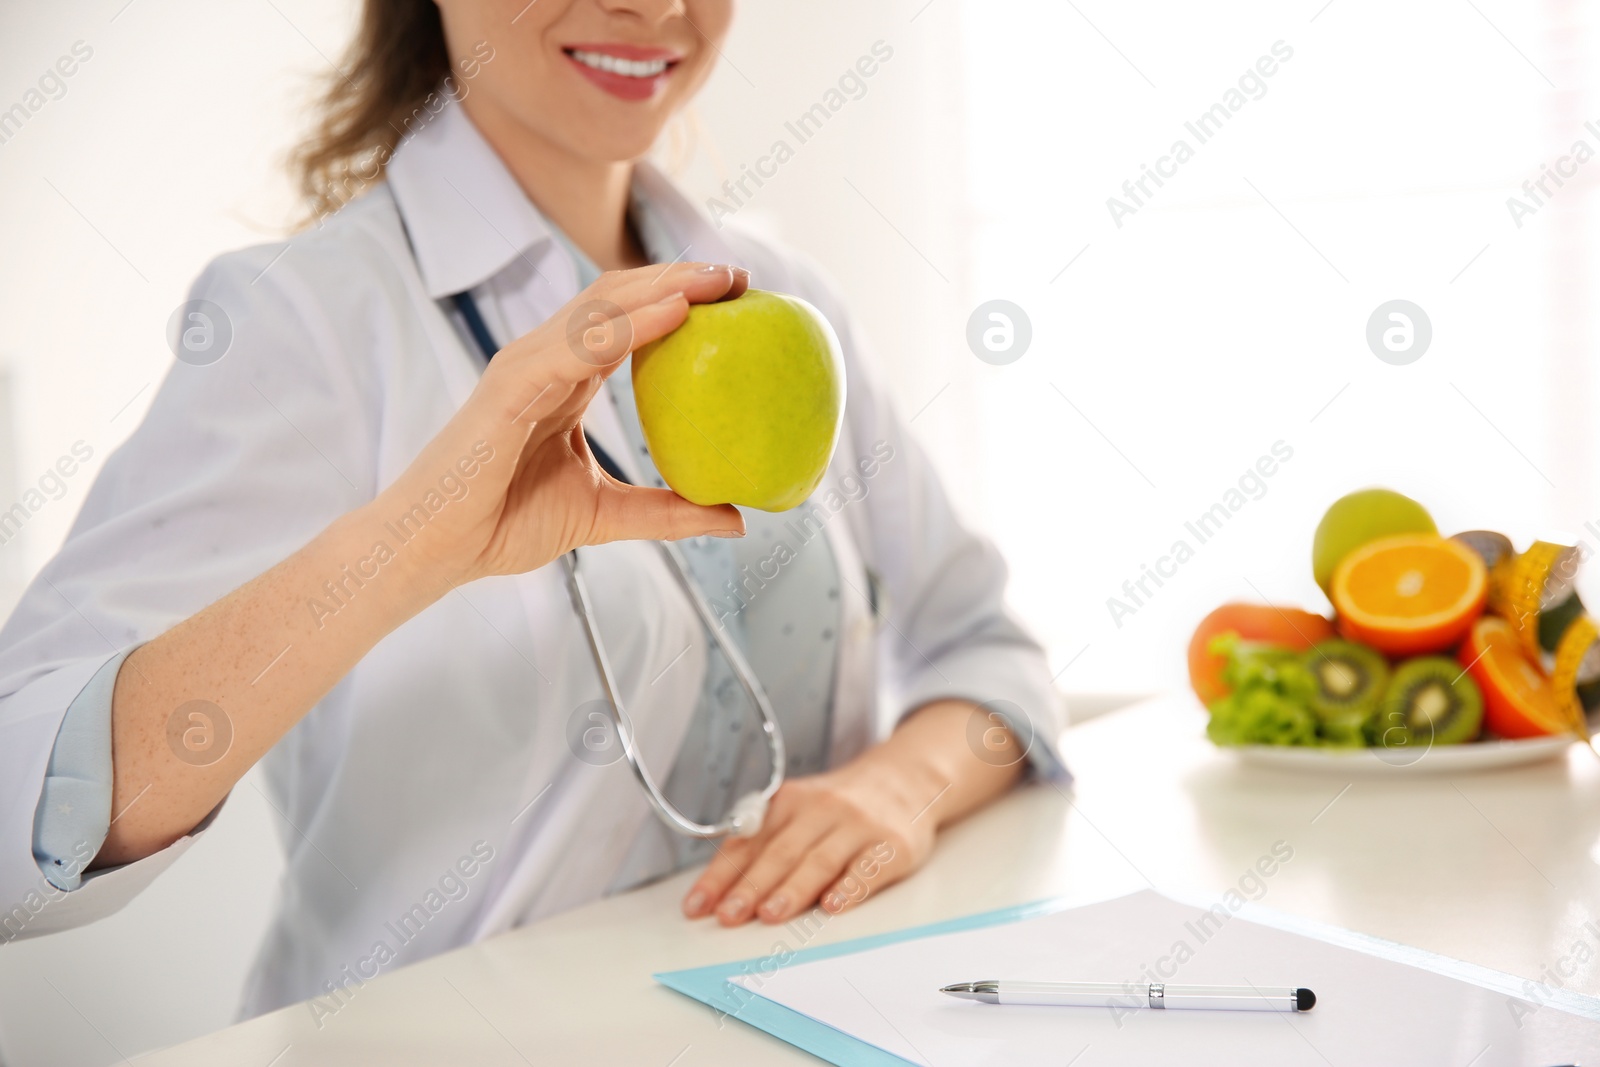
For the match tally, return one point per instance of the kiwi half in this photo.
(1430, 700)
(1351, 680)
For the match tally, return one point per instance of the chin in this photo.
(620, 147)
(605, 137)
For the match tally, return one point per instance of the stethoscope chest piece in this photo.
(748, 814)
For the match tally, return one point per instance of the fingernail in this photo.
(733, 909)
(833, 902)
(694, 903)
(775, 906)
(727, 533)
(740, 274)
(714, 268)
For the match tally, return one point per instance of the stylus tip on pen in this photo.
(1304, 1000)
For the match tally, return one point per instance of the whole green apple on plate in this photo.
(742, 404)
(1358, 518)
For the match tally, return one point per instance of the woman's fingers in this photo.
(741, 284)
(637, 513)
(623, 311)
(599, 333)
(812, 857)
(817, 869)
(725, 870)
(772, 867)
(736, 854)
(619, 312)
(811, 848)
(876, 867)
(700, 283)
(588, 338)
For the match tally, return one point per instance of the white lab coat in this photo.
(448, 742)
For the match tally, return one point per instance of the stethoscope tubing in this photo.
(747, 813)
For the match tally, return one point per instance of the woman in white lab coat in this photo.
(334, 546)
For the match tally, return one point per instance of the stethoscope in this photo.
(744, 819)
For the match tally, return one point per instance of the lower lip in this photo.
(620, 85)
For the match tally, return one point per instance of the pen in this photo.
(1156, 995)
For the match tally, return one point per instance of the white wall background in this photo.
(1229, 313)
(1175, 350)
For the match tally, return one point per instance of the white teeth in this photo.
(628, 68)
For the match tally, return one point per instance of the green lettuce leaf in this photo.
(1270, 701)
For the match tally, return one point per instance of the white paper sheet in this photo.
(1370, 1011)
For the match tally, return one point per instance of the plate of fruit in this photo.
(1442, 655)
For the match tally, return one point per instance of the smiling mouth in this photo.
(643, 69)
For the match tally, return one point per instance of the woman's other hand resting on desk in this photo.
(848, 833)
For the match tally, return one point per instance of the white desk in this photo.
(1501, 869)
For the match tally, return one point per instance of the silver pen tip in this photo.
(988, 992)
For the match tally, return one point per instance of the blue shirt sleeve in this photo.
(74, 813)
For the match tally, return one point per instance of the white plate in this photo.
(1378, 762)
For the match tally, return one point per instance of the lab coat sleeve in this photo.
(237, 464)
(947, 630)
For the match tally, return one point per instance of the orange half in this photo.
(1519, 699)
(1410, 594)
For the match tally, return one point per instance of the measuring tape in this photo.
(1534, 592)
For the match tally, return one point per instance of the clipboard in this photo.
(711, 985)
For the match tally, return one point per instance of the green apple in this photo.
(742, 403)
(1359, 517)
